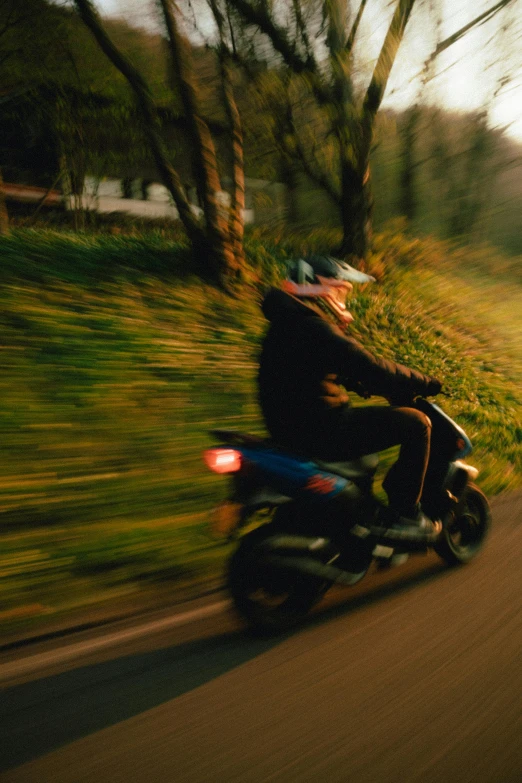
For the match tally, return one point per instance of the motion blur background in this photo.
(120, 351)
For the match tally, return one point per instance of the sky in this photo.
(465, 77)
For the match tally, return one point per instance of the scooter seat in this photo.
(353, 469)
(357, 468)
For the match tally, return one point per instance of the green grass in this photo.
(117, 359)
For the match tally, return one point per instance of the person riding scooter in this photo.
(308, 364)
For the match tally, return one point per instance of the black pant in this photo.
(357, 431)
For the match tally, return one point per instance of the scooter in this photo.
(303, 525)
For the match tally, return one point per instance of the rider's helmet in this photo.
(324, 279)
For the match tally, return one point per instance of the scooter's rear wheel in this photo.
(271, 600)
(464, 537)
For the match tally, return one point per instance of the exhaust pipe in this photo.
(310, 567)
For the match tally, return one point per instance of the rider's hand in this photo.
(359, 389)
(434, 387)
(404, 398)
(401, 399)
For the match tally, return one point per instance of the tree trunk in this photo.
(407, 184)
(224, 243)
(206, 243)
(237, 201)
(360, 200)
(356, 137)
(356, 208)
(477, 176)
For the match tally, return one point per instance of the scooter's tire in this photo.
(269, 599)
(464, 536)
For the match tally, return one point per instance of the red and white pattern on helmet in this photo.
(327, 292)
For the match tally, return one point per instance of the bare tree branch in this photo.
(315, 174)
(231, 31)
(301, 27)
(335, 13)
(204, 154)
(237, 205)
(353, 32)
(296, 151)
(227, 249)
(479, 20)
(382, 70)
(149, 112)
(261, 18)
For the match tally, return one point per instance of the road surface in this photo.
(414, 676)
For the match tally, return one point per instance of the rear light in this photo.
(223, 460)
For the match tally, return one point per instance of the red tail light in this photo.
(222, 460)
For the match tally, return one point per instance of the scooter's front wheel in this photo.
(464, 536)
(269, 599)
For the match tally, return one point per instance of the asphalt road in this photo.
(413, 676)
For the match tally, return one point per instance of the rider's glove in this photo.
(434, 387)
(401, 399)
(359, 389)
(405, 397)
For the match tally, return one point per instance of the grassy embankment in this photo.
(116, 361)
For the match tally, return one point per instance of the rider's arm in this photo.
(375, 374)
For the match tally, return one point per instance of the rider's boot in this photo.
(411, 520)
(404, 525)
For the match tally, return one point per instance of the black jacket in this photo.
(304, 360)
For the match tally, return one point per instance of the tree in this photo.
(347, 118)
(470, 194)
(226, 58)
(407, 186)
(45, 61)
(218, 239)
(465, 152)
(316, 43)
